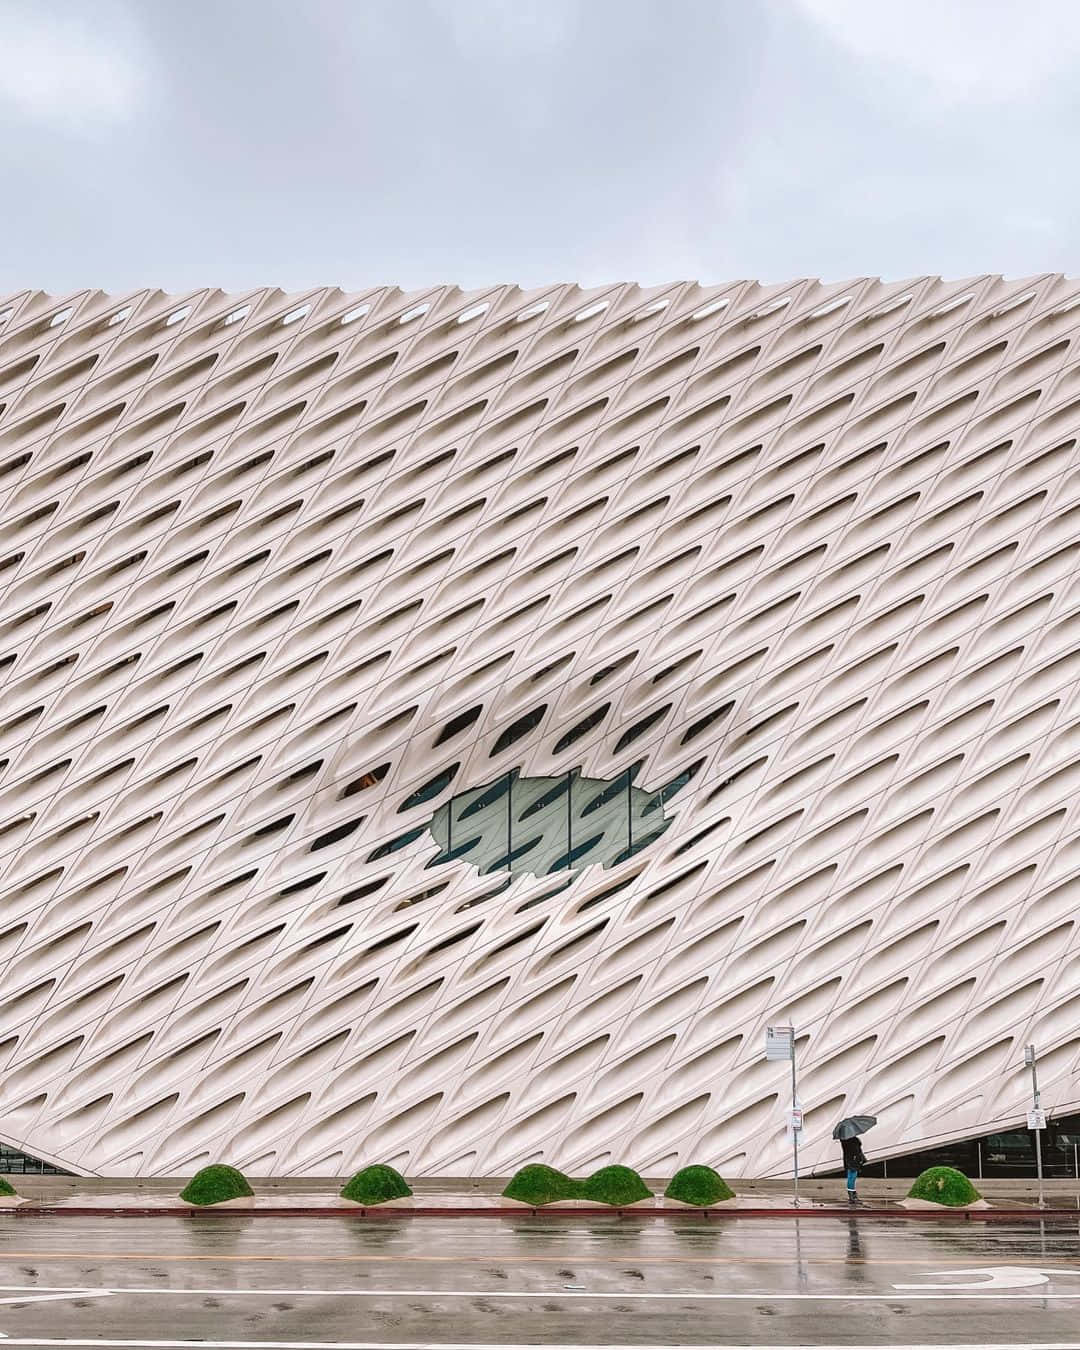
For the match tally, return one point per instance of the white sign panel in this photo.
(779, 1042)
(1036, 1120)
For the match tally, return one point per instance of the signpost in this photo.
(780, 1044)
(1036, 1116)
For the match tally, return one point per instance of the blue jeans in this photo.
(852, 1177)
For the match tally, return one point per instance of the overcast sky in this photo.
(182, 143)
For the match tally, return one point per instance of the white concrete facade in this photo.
(801, 558)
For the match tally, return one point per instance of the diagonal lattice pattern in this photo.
(283, 576)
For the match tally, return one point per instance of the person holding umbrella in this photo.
(848, 1132)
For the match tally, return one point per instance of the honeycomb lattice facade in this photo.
(283, 576)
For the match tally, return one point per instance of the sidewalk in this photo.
(455, 1196)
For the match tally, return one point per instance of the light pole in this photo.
(1036, 1117)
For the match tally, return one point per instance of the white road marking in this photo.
(935, 1293)
(34, 1294)
(995, 1277)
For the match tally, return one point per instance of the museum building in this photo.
(446, 729)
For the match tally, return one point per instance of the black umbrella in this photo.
(850, 1126)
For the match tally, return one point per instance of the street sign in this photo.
(1036, 1120)
(779, 1042)
(796, 1118)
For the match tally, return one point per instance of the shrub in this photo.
(213, 1184)
(6, 1188)
(540, 1185)
(945, 1185)
(699, 1186)
(375, 1185)
(614, 1186)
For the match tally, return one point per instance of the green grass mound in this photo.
(698, 1186)
(540, 1185)
(375, 1185)
(6, 1188)
(214, 1184)
(614, 1186)
(945, 1185)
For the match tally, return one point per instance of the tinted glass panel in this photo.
(536, 826)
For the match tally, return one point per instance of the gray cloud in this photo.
(240, 142)
(61, 72)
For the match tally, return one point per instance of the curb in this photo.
(1028, 1215)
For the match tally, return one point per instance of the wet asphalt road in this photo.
(567, 1281)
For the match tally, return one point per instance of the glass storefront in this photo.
(12, 1161)
(1007, 1153)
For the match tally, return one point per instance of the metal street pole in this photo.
(1035, 1116)
(780, 1044)
(796, 1120)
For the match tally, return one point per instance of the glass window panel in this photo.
(553, 794)
(486, 797)
(578, 851)
(536, 826)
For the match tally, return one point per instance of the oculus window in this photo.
(535, 826)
